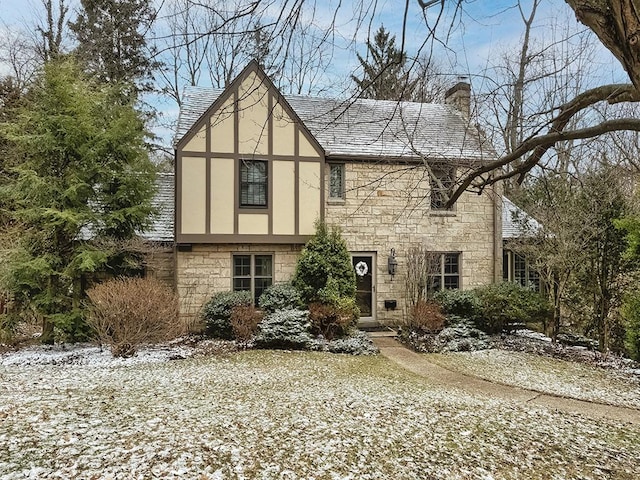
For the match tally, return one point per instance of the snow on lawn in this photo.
(547, 375)
(280, 415)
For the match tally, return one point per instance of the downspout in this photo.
(175, 217)
(497, 235)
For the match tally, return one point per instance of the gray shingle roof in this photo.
(516, 222)
(161, 229)
(368, 128)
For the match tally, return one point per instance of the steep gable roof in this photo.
(197, 106)
(368, 128)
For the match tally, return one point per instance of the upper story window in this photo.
(336, 181)
(253, 183)
(441, 184)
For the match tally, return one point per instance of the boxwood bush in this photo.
(216, 313)
(464, 303)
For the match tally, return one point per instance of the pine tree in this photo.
(83, 174)
(385, 75)
(111, 41)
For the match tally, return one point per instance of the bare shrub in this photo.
(244, 322)
(421, 266)
(426, 317)
(329, 321)
(127, 312)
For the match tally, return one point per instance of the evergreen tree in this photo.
(385, 74)
(111, 41)
(324, 272)
(83, 172)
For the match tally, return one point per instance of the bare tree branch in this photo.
(537, 145)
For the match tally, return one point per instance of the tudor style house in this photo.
(255, 169)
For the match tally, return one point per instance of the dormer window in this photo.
(253, 183)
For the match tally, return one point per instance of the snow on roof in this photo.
(368, 128)
(161, 228)
(516, 222)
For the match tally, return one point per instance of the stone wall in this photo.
(206, 269)
(387, 206)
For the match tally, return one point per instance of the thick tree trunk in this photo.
(617, 25)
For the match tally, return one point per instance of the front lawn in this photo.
(268, 415)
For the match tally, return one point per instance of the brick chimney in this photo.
(459, 96)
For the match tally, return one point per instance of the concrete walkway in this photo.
(420, 365)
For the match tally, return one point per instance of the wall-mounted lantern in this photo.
(392, 263)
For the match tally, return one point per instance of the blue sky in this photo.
(473, 37)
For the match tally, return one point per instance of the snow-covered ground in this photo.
(281, 415)
(548, 375)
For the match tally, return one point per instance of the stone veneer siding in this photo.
(206, 269)
(387, 206)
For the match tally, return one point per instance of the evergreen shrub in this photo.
(280, 296)
(287, 329)
(357, 343)
(631, 314)
(216, 313)
(324, 272)
(505, 305)
(464, 303)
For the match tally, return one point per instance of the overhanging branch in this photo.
(541, 141)
(536, 146)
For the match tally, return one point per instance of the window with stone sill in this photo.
(444, 273)
(441, 184)
(253, 273)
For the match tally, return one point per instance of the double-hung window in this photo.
(441, 184)
(444, 273)
(253, 273)
(253, 183)
(336, 181)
